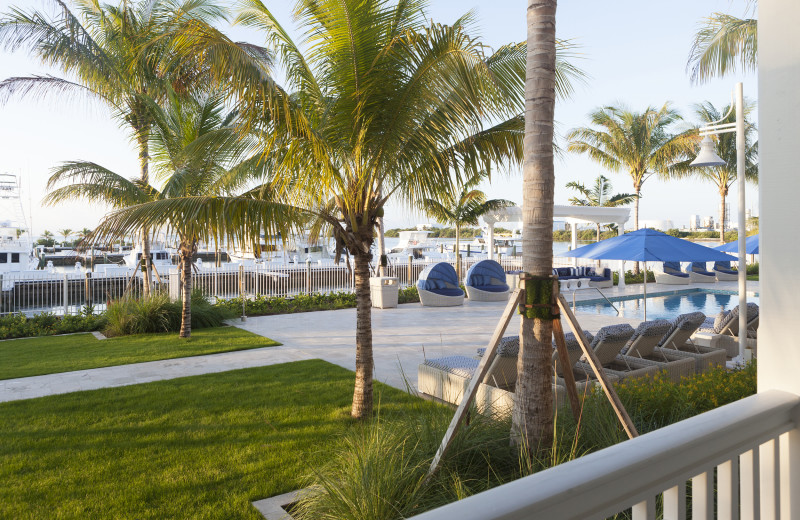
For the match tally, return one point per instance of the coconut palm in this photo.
(637, 142)
(83, 233)
(382, 104)
(200, 161)
(723, 177)
(600, 194)
(66, 233)
(462, 206)
(722, 44)
(115, 54)
(532, 416)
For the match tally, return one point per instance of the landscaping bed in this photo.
(52, 354)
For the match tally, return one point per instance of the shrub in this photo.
(46, 324)
(159, 314)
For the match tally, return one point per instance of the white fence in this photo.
(732, 462)
(33, 292)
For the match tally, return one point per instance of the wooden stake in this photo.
(622, 414)
(569, 377)
(477, 378)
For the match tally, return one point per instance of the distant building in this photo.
(661, 225)
(694, 222)
(707, 223)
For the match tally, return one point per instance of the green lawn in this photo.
(51, 354)
(197, 447)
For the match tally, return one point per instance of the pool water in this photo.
(660, 306)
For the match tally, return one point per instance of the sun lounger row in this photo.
(623, 352)
(696, 272)
(722, 331)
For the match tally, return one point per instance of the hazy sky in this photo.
(635, 53)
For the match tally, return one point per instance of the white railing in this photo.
(743, 447)
(70, 292)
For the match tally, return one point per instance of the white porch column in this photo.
(620, 232)
(490, 241)
(573, 239)
(779, 184)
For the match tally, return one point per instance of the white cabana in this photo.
(573, 215)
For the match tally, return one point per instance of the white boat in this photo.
(417, 245)
(16, 248)
(295, 250)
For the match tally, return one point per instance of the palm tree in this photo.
(83, 233)
(722, 44)
(197, 156)
(723, 177)
(532, 416)
(638, 142)
(600, 194)
(382, 104)
(463, 207)
(119, 55)
(66, 234)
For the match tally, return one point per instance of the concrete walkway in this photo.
(402, 338)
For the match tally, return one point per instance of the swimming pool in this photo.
(666, 305)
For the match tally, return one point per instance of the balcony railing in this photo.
(730, 459)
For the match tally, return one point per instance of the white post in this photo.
(66, 294)
(779, 283)
(490, 244)
(740, 164)
(573, 240)
(620, 232)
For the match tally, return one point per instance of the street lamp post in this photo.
(707, 157)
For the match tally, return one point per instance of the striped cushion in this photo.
(457, 365)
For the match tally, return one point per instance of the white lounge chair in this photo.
(486, 282)
(672, 275)
(724, 273)
(438, 286)
(698, 273)
(722, 331)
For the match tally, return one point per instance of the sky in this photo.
(634, 53)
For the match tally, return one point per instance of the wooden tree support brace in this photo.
(477, 378)
(569, 377)
(622, 414)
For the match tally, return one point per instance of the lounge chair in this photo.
(641, 348)
(698, 273)
(724, 273)
(678, 339)
(438, 286)
(672, 275)
(447, 379)
(486, 282)
(607, 344)
(722, 331)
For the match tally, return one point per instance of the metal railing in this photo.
(575, 290)
(735, 462)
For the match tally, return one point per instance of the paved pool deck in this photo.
(402, 338)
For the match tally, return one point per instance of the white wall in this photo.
(779, 135)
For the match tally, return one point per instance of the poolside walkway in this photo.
(402, 337)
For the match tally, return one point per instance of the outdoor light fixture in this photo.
(707, 157)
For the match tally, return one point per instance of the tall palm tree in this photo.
(462, 206)
(119, 55)
(723, 177)
(83, 233)
(601, 194)
(639, 142)
(66, 233)
(382, 104)
(532, 416)
(722, 44)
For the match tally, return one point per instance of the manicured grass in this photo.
(51, 354)
(198, 447)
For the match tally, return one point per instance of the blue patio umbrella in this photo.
(750, 246)
(648, 245)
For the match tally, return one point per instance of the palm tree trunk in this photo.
(142, 137)
(362, 395)
(186, 281)
(722, 217)
(638, 189)
(532, 417)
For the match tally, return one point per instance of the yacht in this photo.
(415, 244)
(16, 246)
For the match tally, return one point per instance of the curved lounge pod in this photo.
(485, 282)
(438, 286)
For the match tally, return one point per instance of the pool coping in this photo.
(673, 292)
